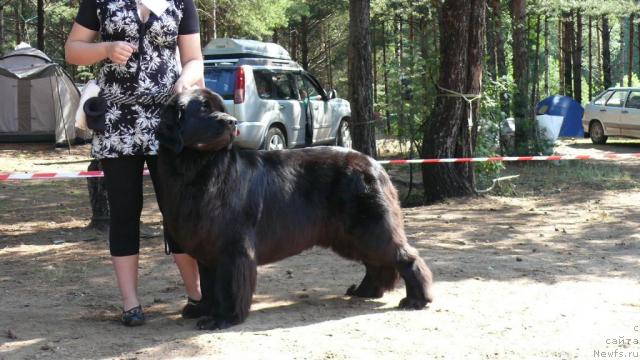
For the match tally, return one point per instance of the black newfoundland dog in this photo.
(233, 210)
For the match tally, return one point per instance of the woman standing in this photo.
(140, 71)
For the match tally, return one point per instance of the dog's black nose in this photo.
(224, 117)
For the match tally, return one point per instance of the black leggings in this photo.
(123, 177)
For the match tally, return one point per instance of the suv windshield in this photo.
(220, 80)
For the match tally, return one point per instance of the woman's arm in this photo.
(191, 60)
(80, 48)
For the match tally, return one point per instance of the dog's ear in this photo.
(170, 130)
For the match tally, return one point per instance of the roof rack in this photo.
(241, 48)
(256, 62)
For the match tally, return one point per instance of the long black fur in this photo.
(233, 210)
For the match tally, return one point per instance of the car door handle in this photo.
(625, 111)
(282, 107)
(603, 110)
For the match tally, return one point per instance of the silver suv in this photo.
(278, 105)
(615, 112)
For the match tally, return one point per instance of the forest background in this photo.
(511, 53)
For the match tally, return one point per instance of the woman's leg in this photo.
(187, 265)
(123, 177)
(126, 268)
(188, 268)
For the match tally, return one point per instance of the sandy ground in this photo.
(551, 272)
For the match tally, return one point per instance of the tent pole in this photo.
(64, 121)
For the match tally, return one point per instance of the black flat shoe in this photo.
(194, 309)
(133, 316)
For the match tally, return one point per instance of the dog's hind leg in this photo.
(417, 277)
(235, 283)
(376, 281)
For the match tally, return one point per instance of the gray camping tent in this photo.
(38, 98)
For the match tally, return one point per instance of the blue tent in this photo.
(567, 108)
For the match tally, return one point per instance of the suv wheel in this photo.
(343, 137)
(274, 140)
(596, 132)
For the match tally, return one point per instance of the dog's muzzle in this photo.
(231, 122)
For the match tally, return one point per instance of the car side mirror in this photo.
(333, 94)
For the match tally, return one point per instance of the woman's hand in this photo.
(181, 85)
(120, 51)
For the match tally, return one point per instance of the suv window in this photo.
(602, 98)
(274, 85)
(617, 99)
(634, 100)
(284, 86)
(221, 81)
(264, 84)
(305, 87)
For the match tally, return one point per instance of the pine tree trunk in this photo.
(567, 45)
(525, 128)
(293, 42)
(424, 53)
(606, 52)
(360, 76)
(41, 26)
(375, 64)
(561, 53)
(492, 61)
(2, 40)
(329, 59)
(477, 30)
(214, 19)
(304, 43)
(387, 115)
(631, 50)
(577, 60)
(17, 12)
(621, 66)
(546, 56)
(536, 64)
(401, 128)
(501, 58)
(590, 58)
(598, 57)
(462, 24)
(638, 48)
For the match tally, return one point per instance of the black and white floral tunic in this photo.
(136, 91)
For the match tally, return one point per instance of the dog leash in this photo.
(146, 98)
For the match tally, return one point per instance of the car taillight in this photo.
(238, 93)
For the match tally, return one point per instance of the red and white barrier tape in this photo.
(513, 158)
(89, 174)
(54, 175)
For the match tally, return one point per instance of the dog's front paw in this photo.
(351, 291)
(412, 304)
(367, 292)
(211, 323)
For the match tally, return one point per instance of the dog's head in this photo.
(196, 119)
